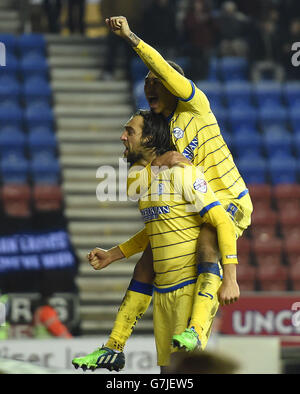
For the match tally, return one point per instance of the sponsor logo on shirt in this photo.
(152, 213)
(200, 185)
(178, 133)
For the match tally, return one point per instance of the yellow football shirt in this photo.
(178, 201)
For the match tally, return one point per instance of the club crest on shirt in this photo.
(178, 133)
(200, 185)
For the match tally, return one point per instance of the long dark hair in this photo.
(156, 131)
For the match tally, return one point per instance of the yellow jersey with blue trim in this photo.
(194, 128)
(173, 209)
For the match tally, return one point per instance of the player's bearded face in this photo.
(132, 139)
(160, 100)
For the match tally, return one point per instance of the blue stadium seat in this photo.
(45, 168)
(32, 43)
(253, 171)
(245, 129)
(296, 144)
(272, 115)
(267, 92)
(39, 114)
(14, 168)
(221, 116)
(10, 41)
(34, 64)
(238, 92)
(213, 69)
(228, 139)
(138, 69)
(37, 89)
(247, 145)
(12, 66)
(282, 170)
(291, 93)
(139, 95)
(12, 139)
(242, 115)
(233, 68)
(40, 140)
(277, 142)
(294, 118)
(213, 91)
(10, 88)
(10, 114)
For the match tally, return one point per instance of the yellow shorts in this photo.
(171, 314)
(240, 211)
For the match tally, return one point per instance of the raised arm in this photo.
(176, 83)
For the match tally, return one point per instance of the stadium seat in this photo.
(12, 66)
(242, 114)
(296, 143)
(39, 114)
(213, 90)
(238, 92)
(34, 64)
(10, 41)
(246, 275)
(244, 129)
(16, 200)
(282, 170)
(287, 195)
(289, 222)
(272, 115)
(138, 69)
(263, 223)
(253, 171)
(32, 43)
(243, 250)
(14, 168)
(267, 93)
(37, 89)
(45, 168)
(47, 197)
(277, 143)
(294, 117)
(12, 139)
(221, 115)
(233, 68)
(291, 249)
(247, 145)
(272, 277)
(10, 88)
(291, 93)
(261, 196)
(267, 251)
(213, 69)
(11, 114)
(40, 140)
(294, 275)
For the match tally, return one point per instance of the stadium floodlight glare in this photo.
(2, 55)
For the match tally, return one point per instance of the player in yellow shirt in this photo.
(173, 207)
(196, 134)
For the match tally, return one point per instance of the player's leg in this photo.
(205, 303)
(135, 303)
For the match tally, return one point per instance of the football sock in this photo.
(206, 303)
(135, 303)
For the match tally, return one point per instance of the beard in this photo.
(133, 157)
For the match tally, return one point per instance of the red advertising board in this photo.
(262, 314)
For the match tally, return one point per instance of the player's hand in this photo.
(99, 258)
(118, 25)
(228, 293)
(170, 159)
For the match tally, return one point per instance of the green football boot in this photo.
(101, 358)
(187, 340)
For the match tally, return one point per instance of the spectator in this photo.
(76, 13)
(232, 26)
(53, 11)
(199, 33)
(132, 9)
(159, 27)
(265, 51)
(292, 36)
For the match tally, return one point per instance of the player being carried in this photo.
(196, 135)
(173, 207)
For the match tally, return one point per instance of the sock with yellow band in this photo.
(135, 303)
(206, 303)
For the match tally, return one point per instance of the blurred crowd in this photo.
(261, 30)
